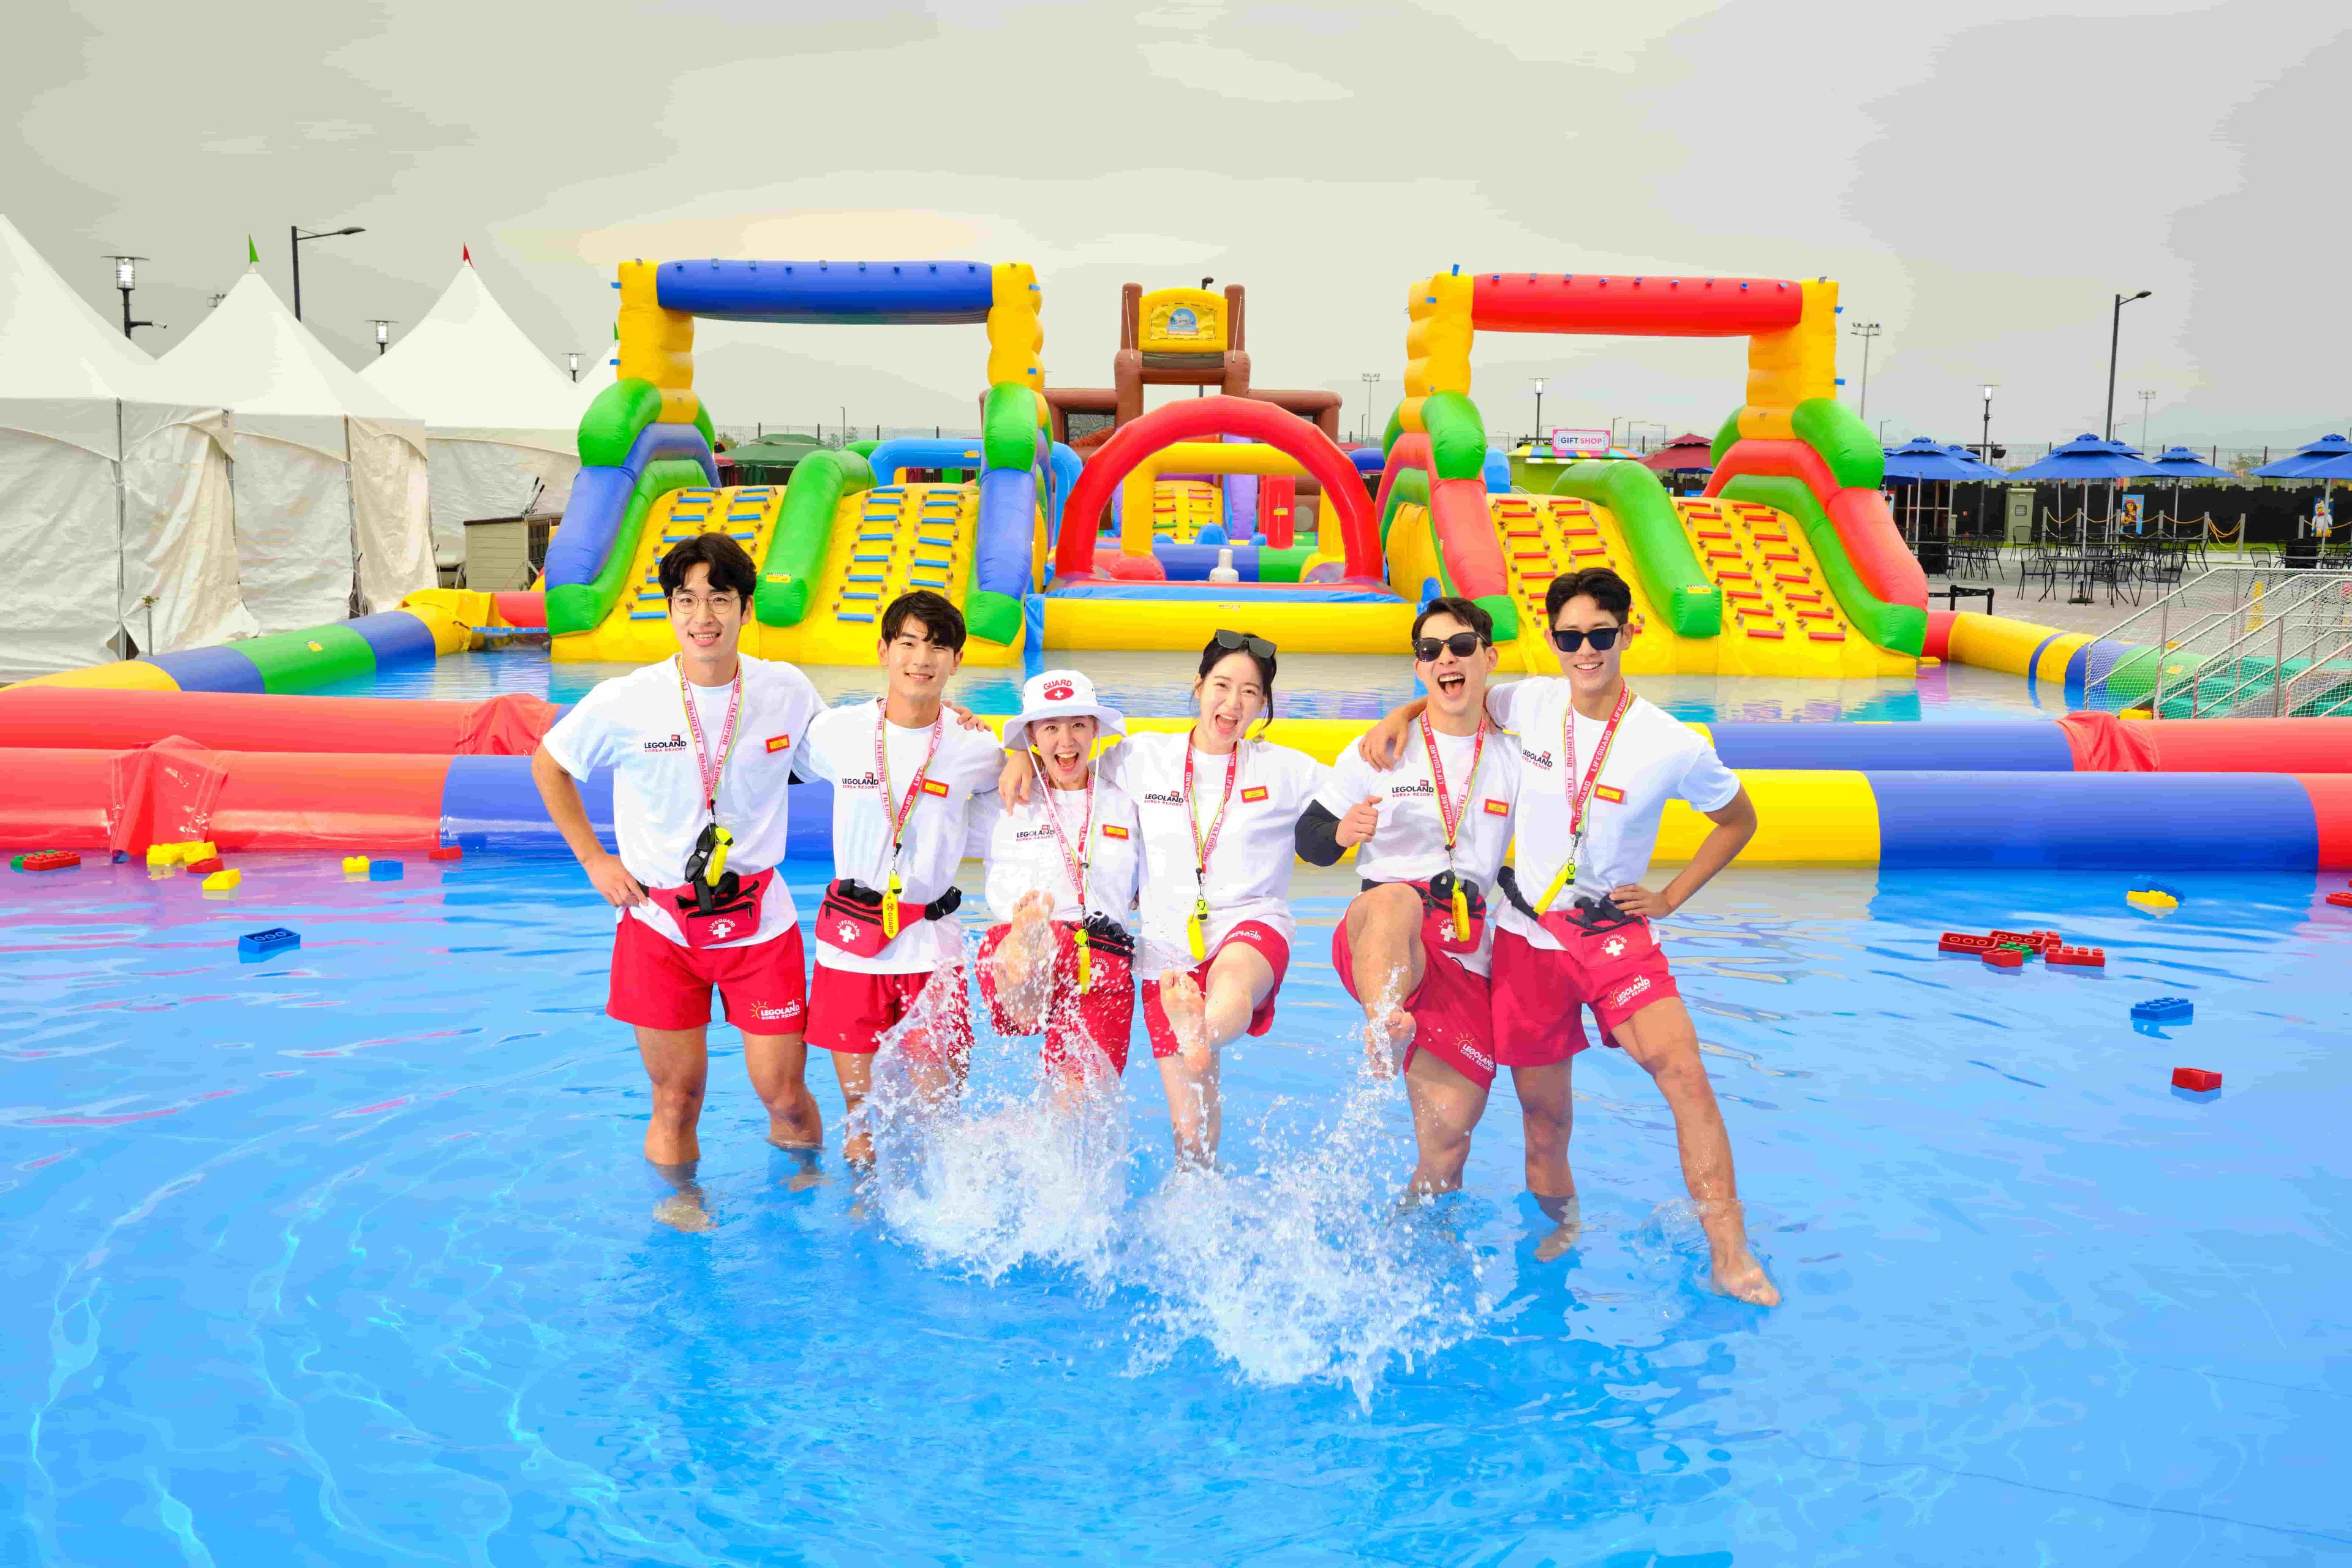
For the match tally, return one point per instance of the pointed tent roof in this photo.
(1685, 453)
(467, 367)
(52, 342)
(252, 355)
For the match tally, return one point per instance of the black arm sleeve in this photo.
(1317, 835)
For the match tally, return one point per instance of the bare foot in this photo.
(1187, 1010)
(797, 1126)
(1567, 1216)
(1388, 1035)
(1742, 1278)
(684, 1212)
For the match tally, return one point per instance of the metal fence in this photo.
(2250, 641)
(835, 435)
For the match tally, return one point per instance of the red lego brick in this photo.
(445, 852)
(1964, 942)
(48, 860)
(206, 867)
(2005, 958)
(2077, 957)
(2039, 941)
(2197, 1079)
(2341, 900)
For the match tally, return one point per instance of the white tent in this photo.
(329, 472)
(114, 488)
(504, 424)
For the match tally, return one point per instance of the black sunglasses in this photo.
(1461, 645)
(1603, 638)
(1234, 642)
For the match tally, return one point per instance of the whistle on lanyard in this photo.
(1197, 929)
(1079, 940)
(890, 905)
(1460, 914)
(706, 872)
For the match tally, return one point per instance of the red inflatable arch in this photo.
(1192, 418)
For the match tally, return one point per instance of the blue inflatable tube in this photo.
(1497, 472)
(1008, 520)
(906, 293)
(2000, 745)
(489, 804)
(893, 458)
(1062, 469)
(600, 499)
(1369, 461)
(2180, 822)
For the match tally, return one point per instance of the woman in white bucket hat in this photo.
(1062, 869)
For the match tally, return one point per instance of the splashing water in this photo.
(1302, 1266)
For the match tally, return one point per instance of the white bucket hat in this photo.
(1059, 694)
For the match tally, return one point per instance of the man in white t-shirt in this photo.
(1416, 945)
(889, 953)
(701, 746)
(1597, 767)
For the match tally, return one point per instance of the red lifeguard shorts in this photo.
(1452, 1019)
(1539, 994)
(1249, 933)
(1080, 1030)
(658, 983)
(850, 1011)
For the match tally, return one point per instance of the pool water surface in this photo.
(350, 1257)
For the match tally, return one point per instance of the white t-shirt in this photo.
(635, 725)
(938, 829)
(1655, 758)
(1409, 845)
(1027, 853)
(1248, 870)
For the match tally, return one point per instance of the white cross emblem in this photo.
(848, 933)
(721, 930)
(1613, 946)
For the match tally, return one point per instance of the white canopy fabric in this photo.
(330, 474)
(504, 423)
(115, 510)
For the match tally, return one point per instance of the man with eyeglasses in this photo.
(1416, 944)
(1597, 767)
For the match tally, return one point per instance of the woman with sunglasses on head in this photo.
(1415, 945)
(1217, 811)
(1597, 767)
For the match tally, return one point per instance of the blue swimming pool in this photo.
(1311, 686)
(349, 1258)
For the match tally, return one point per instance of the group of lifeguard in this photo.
(1159, 861)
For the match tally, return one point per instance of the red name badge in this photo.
(935, 787)
(1255, 791)
(1609, 793)
(779, 742)
(1497, 807)
(1113, 830)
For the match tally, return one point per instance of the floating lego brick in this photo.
(224, 881)
(207, 867)
(46, 860)
(2341, 900)
(444, 852)
(2039, 941)
(2196, 1079)
(355, 865)
(262, 943)
(1964, 942)
(2005, 957)
(2076, 957)
(385, 870)
(2164, 1010)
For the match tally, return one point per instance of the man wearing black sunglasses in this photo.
(1597, 765)
(1415, 945)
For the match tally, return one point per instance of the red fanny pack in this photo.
(729, 919)
(850, 917)
(1437, 921)
(1570, 932)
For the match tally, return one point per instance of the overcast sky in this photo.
(1981, 179)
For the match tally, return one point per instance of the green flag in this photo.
(252, 255)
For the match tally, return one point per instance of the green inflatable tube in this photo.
(804, 531)
(1901, 627)
(1669, 569)
(1724, 438)
(1008, 427)
(288, 662)
(610, 426)
(992, 616)
(1283, 565)
(1457, 436)
(1412, 489)
(1845, 442)
(583, 606)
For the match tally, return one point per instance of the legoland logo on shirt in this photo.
(862, 781)
(1536, 759)
(1255, 792)
(1172, 797)
(675, 744)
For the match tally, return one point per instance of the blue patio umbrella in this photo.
(1978, 467)
(1922, 459)
(2327, 459)
(2181, 463)
(2085, 459)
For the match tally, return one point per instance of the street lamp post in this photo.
(1372, 379)
(2115, 341)
(126, 278)
(1865, 330)
(1539, 435)
(1984, 444)
(574, 359)
(382, 332)
(295, 245)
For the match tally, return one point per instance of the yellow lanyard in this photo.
(1196, 929)
(1449, 817)
(1579, 794)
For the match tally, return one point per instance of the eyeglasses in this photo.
(1461, 645)
(1234, 642)
(1603, 638)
